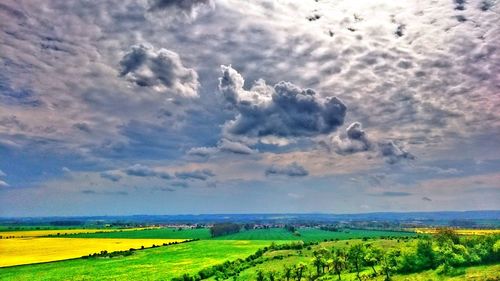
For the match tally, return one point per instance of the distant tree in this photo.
(355, 257)
(290, 228)
(287, 272)
(319, 260)
(372, 257)
(446, 235)
(272, 275)
(388, 264)
(220, 229)
(299, 270)
(260, 276)
(426, 258)
(338, 261)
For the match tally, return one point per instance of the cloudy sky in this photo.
(230, 106)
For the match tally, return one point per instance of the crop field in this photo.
(311, 234)
(460, 231)
(160, 263)
(59, 232)
(200, 233)
(17, 251)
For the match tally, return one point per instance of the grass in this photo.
(306, 234)
(311, 234)
(18, 251)
(200, 233)
(278, 259)
(59, 232)
(160, 263)
(473, 273)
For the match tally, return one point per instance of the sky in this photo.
(223, 106)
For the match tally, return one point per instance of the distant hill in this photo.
(493, 215)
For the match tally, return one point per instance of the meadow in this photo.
(269, 234)
(162, 263)
(246, 255)
(312, 234)
(17, 251)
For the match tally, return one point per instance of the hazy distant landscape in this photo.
(373, 246)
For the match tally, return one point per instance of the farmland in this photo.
(241, 256)
(153, 264)
(311, 234)
(60, 232)
(200, 233)
(304, 234)
(427, 230)
(18, 251)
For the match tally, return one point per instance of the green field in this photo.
(306, 234)
(157, 233)
(311, 234)
(165, 263)
(160, 263)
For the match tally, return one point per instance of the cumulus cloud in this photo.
(3, 184)
(139, 170)
(355, 140)
(393, 153)
(2, 174)
(224, 145)
(202, 175)
(284, 110)
(292, 170)
(160, 69)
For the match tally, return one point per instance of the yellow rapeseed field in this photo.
(18, 251)
(459, 231)
(55, 232)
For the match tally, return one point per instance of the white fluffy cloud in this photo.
(355, 140)
(224, 145)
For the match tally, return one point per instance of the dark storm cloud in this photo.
(292, 170)
(139, 170)
(284, 110)
(394, 153)
(195, 175)
(355, 140)
(162, 69)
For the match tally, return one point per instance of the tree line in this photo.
(220, 229)
(446, 252)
